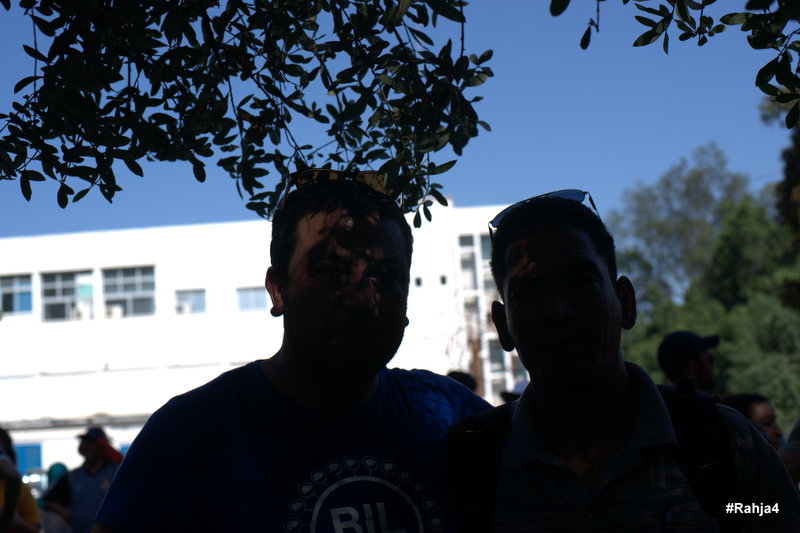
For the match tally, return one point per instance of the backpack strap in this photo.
(704, 450)
(473, 450)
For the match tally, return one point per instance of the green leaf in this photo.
(558, 6)
(25, 186)
(199, 170)
(666, 43)
(646, 38)
(81, 194)
(680, 7)
(793, 115)
(587, 35)
(134, 167)
(646, 21)
(421, 36)
(34, 53)
(767, 72)
(445, 9)
(64, 192)
(23, 82)
(438, 196)
(417, 219)
(444, 167)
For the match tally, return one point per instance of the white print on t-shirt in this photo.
(362, 496)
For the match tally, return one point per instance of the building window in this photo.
(497, 360)
(129, 291)
(15, 293)
(252, 298)
(486, 249)
(193, 301)
(67, 295)
(29, 457)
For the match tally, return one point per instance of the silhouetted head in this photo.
(465, 378)
(684, 354)
(563, 306)
(757, 409)
(357, 198)
(548, 211)
(341, 256)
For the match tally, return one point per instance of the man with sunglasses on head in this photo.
(321, 436)
(591, 444)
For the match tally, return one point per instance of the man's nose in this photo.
(362, 295)
(554, 303)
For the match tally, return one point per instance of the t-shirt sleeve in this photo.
(27, 508)
(155, 487)
(761, 479)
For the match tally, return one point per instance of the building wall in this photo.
(98, 367)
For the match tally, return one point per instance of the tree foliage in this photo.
(738, 289)
(119, 81)
(667, 230)
(770, 24)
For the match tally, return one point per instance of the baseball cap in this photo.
(685, 342)
(94, 433)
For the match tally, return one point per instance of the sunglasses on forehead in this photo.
(373, 179)
(575, 195)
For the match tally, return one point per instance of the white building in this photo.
(104, 327)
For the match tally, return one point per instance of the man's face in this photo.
(704, 380)
(88, 448)
(764, 414)
(345, 295)
(563, 312)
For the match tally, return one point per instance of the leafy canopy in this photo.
(770, 24)
(121, 81)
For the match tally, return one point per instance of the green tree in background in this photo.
(737, 259)
(672, 224)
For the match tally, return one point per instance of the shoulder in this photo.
(213, 396)
(426, 389)
(746, 440)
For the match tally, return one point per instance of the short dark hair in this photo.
(744, 402)
(550, 211)
(358, 199)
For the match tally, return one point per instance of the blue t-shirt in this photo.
(236, 455)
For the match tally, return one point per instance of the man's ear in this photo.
(275, 289)
(499, 319)
(627, 300)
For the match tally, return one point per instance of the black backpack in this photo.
(704, 455)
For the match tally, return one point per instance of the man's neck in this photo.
(317, 391)
(584, 425)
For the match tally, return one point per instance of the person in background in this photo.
(26, 518)
(75, 497)
(684, 354)
(757, 409)
(52, 522)
(465, 378)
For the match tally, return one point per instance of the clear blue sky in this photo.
(601, 119)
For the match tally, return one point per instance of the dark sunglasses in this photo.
(575, 195)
